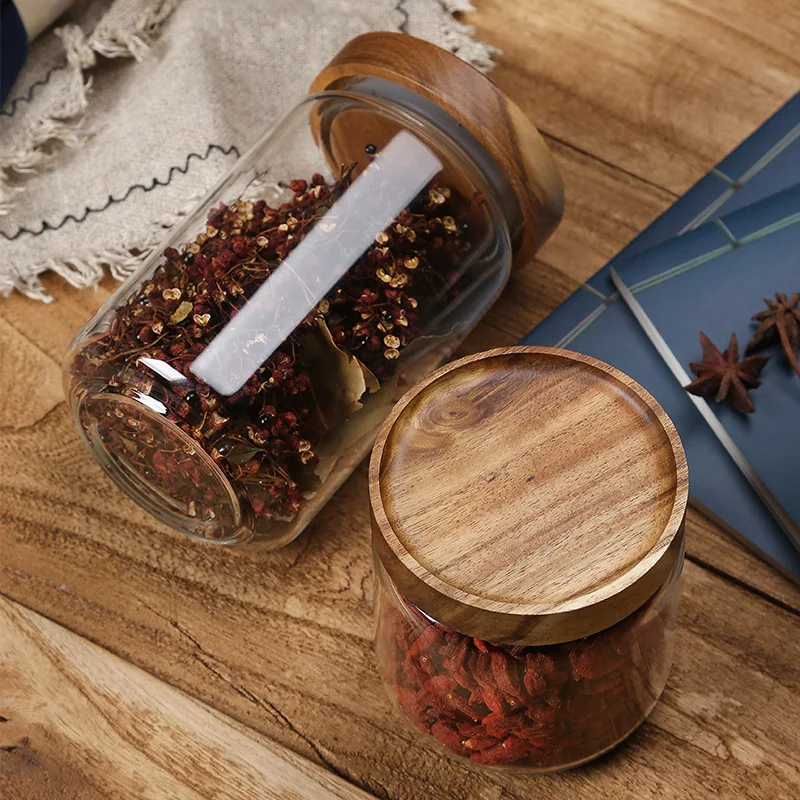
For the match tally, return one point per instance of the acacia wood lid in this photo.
(528, 495)
(477, 105)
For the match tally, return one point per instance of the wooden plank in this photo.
(710, 547)
(657, 88)
(31, 391)
(283, 644)
(76, 721)
(51, 327)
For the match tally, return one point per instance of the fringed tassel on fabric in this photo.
(459, 37)
(113, 41)
(86, 272)
(63, 124)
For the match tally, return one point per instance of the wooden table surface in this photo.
(262, 680)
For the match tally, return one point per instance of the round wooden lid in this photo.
(528, 495)
(476, 104)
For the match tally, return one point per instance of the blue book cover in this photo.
(712, 279)
(766, 163)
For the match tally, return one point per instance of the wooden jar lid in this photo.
(476, 104)
(528, 495)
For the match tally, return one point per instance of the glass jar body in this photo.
(238, 377)
(525, 708)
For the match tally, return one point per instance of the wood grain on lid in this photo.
(474, 102)
(529, 494)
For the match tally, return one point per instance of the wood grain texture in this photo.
(477, 104)
(283, 644)
(29, 393)
(711, 548)
(78, 721)
(636, 102)
(528, 495)
(659, 88)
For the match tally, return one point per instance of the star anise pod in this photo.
(780, 323)
(723, 377)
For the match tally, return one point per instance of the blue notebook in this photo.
(764, 164)
(713, 277)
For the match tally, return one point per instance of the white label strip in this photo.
(314, 267)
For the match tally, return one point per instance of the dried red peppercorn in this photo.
(266, 437)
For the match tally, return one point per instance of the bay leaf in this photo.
(241, 453)
(338, 379)
(130, 446)
(359, 425)
(372, 383)
(426, 353)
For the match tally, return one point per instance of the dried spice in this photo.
(779, 324)
(538, 707)
(272, 438)
(723, 377)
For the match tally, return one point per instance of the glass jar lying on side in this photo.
(528, 508)
(234, 382)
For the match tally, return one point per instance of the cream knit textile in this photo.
(126, 114)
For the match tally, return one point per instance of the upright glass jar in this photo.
(528, 525)
(234, 382)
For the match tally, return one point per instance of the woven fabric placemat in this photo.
(128, 112)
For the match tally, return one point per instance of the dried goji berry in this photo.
(403, 638)
(543, 716)
(511, 749)
(476, 697)
(413, 674)
(593, 659)
(464, 679)
(440, 685)
(542, 740)
(545, 666)
(504, 672)
(406, 697)
(470, 729)
(535, 684)
(455, 655)
(481, 741)
(426, 664)
(425, 640)
(497, 725)
(448, 735)
(553, 697)
(461, 704)
(482, 671)
(493, 699)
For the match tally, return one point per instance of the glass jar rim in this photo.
(147, 495)
(434, 122)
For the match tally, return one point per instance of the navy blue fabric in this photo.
(13, 46)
